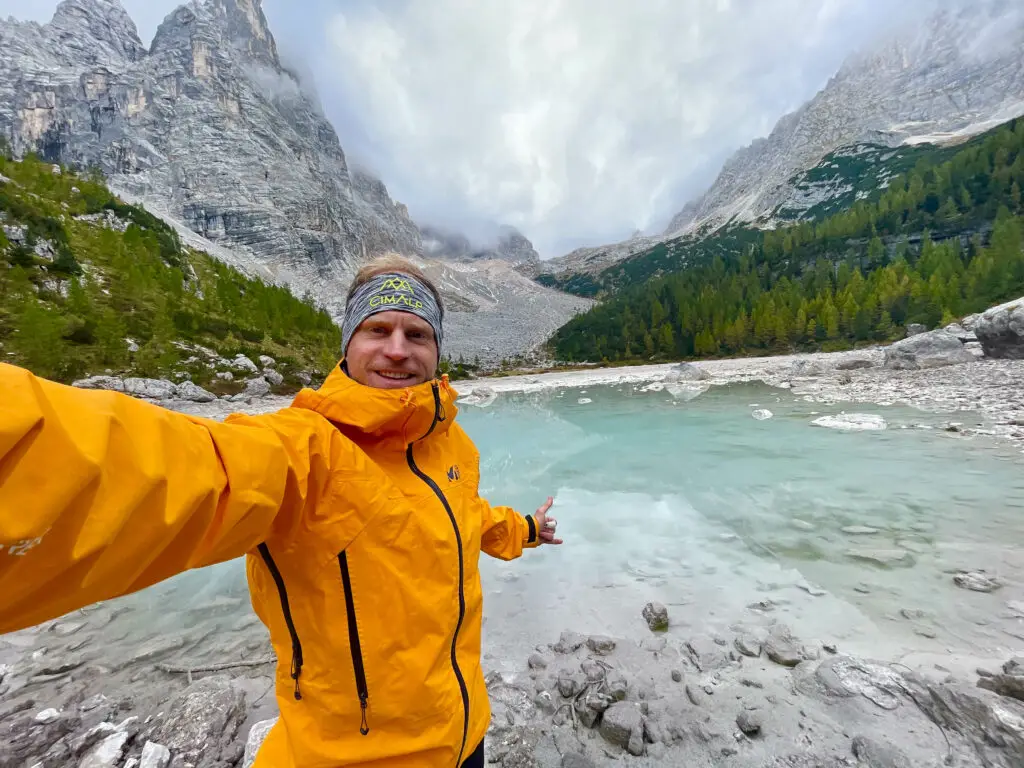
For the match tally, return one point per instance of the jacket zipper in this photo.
(286, 609)
(440, 416)
(353, 641)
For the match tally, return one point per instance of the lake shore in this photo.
(992, 389)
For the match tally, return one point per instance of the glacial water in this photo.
(850, 537)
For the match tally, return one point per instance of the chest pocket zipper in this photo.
(282, 592)
(353, 642)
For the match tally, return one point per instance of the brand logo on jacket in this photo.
(453, 473)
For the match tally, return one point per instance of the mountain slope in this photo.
(957, 74)
(88, 283)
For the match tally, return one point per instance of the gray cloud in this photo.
(577, 121)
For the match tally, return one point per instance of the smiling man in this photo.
(357, 507)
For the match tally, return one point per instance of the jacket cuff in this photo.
(532, 532)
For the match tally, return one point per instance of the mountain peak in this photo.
(81, 24)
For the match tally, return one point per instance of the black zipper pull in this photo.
(364, 728)
(296, 671)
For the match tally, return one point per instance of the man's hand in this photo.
(546, 525)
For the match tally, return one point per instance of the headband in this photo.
(391, 291)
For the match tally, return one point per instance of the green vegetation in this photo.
(941, 241)
(73, 290)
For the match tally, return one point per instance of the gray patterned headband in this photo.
(386, 292)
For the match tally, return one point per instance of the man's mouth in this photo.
(394, 375)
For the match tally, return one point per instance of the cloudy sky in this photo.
(577, 121)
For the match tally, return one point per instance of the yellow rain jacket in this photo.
(359, 514)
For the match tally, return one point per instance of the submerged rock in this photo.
(886, 558)
(619, 723)
(202, 720)
(782, 648)
(977, 581)
(656, 616)
(686, 372)
(852, 422)
(877, 754)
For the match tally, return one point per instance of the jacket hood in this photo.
(396, 417)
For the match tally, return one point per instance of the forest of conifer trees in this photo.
(941, 242)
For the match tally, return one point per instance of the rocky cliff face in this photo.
(957, 74)
(207, 124)
(209, 130)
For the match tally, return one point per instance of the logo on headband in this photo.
(396, 284)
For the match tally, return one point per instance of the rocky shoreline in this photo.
(755, 696)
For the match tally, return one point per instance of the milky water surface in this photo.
(722, 517)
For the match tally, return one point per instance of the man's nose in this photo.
(396, 347)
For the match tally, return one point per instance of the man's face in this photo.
(392, 350)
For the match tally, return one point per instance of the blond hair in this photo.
(392, 262)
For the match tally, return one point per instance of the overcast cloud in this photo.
(576, 121)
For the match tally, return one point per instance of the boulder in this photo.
(243, 363)
(107, 753)
(100, 382)
(656, 616)
(202, 720)
(1004, 685)
(961, 333)
(256, 387)
(273, 377)
(933, 349)
(619, 723)
(187, 390)
(153, 389)
(993, 725)
(569, 642)
(748, 645)
(1001, 331)
(600, 644)
(782, 648)
(226, 376)
(154, 756)
(749, 722)
(267, 362)
(915, 329)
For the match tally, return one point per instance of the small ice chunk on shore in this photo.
(761, 414)
(852, 422)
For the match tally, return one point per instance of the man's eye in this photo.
(378, 330)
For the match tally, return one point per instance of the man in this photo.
(357, 507)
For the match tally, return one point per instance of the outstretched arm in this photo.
(102, 494)
(506, 533)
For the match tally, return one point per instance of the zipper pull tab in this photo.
(296, 671)
(364, 728)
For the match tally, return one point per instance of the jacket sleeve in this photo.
(102, 494)
(505, 532)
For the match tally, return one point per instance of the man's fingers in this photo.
(543, 508)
